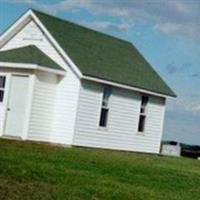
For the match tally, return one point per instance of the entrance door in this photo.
(17, 102)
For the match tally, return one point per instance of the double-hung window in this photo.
(142, 117)
(2, 87)
(107, 91)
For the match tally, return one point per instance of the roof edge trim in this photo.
(123, 86)
(31, 66)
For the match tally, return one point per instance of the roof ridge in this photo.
(81, 26)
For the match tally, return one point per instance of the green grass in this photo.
(38, 171)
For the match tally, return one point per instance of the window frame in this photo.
(143, 114)
(106, 118)
(3, 87)
(105, 106)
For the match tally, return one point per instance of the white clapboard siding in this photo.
(43, 107)
(121, 132)
(67, 87)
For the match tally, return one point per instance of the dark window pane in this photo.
(2, 81)
(141, 123)
(1, 95)
(142, 110)
(103, 117)
(145, 100)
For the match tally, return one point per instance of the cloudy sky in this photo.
(167, 33)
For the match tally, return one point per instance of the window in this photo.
(2, 87)
(107, 91)
(142, 118)
(103, 117)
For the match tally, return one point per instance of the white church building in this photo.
(63, 83)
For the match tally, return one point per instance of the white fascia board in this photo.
(12, 30)
(55, 71)
(56, 45)
(31, 66)
(18, 65)
(124, 86)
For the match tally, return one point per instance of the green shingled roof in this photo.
(28, 55)
(103, 56)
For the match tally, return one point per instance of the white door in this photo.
(17, 102)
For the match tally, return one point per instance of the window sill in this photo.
(103, 128)
(141, 133)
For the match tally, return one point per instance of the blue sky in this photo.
(166, 32)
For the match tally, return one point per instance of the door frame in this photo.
(31, 83)
(5, 101)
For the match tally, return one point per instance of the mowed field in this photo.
(40, 171)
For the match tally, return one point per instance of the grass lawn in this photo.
(39, 171)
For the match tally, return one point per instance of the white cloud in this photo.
(193, 107)
(178, 17)
(107, 26)
(65, 5)
(181, 7)
(190, 105)
(179, 29)
(21, 1)
(169, 27)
